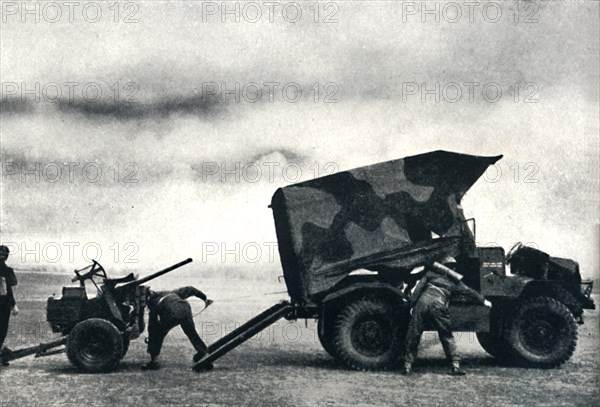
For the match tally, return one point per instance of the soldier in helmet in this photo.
(167, 310)
(7, 299)
(430, 303)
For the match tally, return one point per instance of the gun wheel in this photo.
(543, 333)
(95, 345)
(126, 342)
(366, 335)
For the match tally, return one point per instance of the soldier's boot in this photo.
(199, 355)
(456, 370)
(203, 368)
(5, 352)
(152, 365)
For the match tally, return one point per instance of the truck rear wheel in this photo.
(95, 345)
(494, 344)
(366, 336)
(543, 333)
(325, 334)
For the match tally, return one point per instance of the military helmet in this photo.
(448, 261)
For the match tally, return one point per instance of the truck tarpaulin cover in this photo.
(381, 214)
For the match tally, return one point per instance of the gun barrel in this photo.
(157, 274)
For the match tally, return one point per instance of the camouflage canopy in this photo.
(375, 215)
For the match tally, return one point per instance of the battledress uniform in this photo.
(430, 300)
(167, 310)
(7, 299)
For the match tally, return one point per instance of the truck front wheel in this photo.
(366, 335)
(543, 333)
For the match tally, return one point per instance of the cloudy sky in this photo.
(156, 131)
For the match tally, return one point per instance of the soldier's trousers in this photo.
(4, 318)
(157, 331)
(431, 307)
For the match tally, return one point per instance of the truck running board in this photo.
(243, 333)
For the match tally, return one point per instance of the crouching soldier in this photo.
(167, 310)
(430, 301)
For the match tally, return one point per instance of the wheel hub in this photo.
(97, 346)
(370, 337)
(540, 336)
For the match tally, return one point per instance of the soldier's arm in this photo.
(419, 289)
(464, 289)
(11, 281)
(11, 278)
(11, 297)
(187, 292)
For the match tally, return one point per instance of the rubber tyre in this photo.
(569, 301)
(95, 345)
(366, 335)
(495, 345)
(543, 333)
(326, 338)
(126, 342)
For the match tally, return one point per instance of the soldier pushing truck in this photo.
(430, 301)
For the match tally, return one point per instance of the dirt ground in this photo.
(285, 366)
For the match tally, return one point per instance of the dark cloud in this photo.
(198, 105)
(16, 159)
(15, 106)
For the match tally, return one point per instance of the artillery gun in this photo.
(96, 331)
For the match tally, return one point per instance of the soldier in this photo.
(7, 299)
(167, 310)
(430, 301)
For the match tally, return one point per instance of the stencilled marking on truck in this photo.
(489, 264)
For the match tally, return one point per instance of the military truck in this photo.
(95, 332)
(352, 244)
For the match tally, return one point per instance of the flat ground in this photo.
(283, 366)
